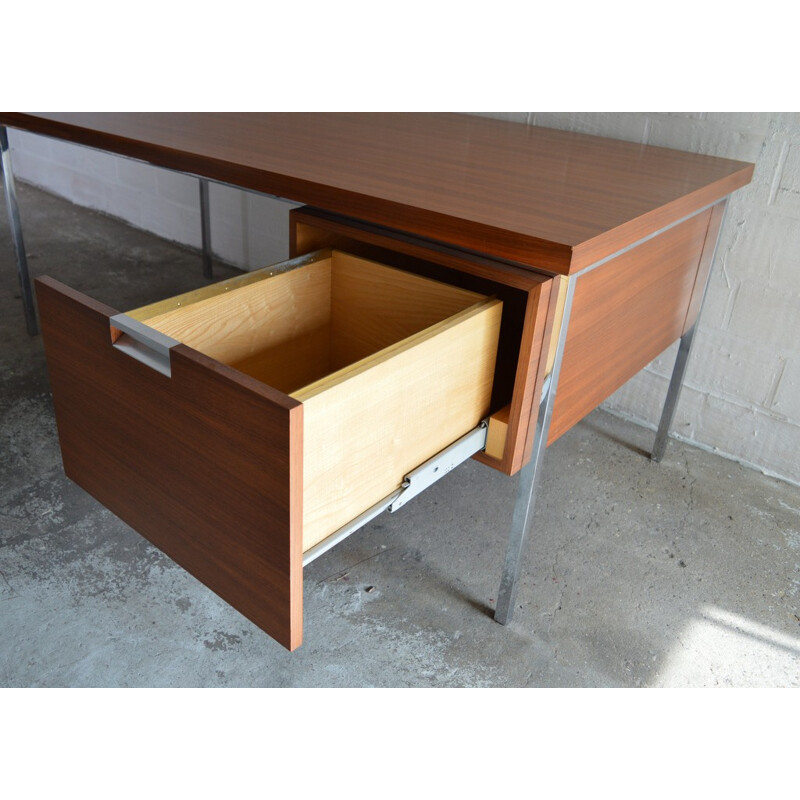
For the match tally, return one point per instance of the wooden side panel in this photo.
(529, 380)
(208, 291)
(206, 464)
(276, 329)
(368, 426)
(624, 313)
(374, 306)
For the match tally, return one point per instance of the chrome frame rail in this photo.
(16, 236)
(673, 394)
(205, 229)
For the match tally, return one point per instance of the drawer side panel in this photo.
(205, 464)
(367, 431)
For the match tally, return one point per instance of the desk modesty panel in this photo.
(458, 287)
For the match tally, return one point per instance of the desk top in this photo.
(547, 198)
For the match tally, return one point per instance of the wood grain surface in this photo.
(276, 329)
(367, 426)
(374, 306)
(206, 464)
(624, 313)
(542, 197)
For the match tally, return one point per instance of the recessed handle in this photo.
(145, 344)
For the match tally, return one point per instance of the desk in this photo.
(600, 251)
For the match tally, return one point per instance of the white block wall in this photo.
(742, 394)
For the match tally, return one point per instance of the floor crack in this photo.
(342, 572)
(5, 581)
(683, 524)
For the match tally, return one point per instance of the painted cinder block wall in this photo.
(742, 393)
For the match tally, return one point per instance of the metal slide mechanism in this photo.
(413, 484)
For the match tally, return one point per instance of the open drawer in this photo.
(240, 425)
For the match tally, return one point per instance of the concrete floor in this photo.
(680, 574)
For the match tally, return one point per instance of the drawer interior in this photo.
(294, 324)
(391, 367)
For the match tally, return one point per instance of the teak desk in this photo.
(458, 287)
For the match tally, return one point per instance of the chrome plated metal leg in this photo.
(673, 393)
(529, 477)
(205, 229)
(681, 362)
(523, 511)
(16, 236)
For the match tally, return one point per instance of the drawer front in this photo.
(174, 459)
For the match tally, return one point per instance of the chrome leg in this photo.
(529, 477)
(523, 510)
(205, 228)
(16, 236)
(673, 393)
(681, 362)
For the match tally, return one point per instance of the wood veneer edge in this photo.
(657, 221)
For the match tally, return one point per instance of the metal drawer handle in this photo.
(143, 343)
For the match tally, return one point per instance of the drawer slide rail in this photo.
(413, 484)
(437, 467)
